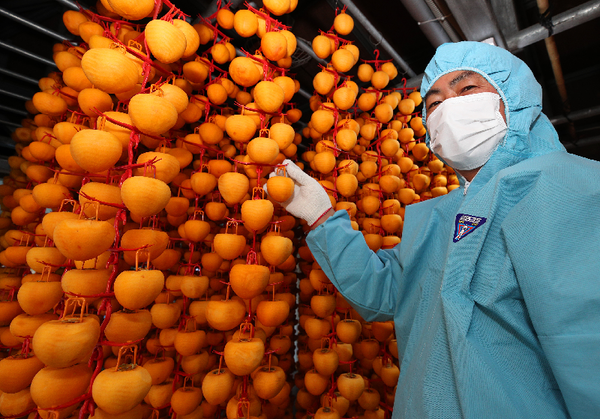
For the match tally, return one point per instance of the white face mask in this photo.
(466, 130)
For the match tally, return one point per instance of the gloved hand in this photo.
(309, 200)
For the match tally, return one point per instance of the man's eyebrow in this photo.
(430, 93)
(461, 77)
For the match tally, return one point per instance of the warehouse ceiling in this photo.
(407, 31)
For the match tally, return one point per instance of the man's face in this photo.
(458, 83)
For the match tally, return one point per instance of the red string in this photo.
(268, 67)
(132, 128)
(138, 54)
(270, 22)
(102, 20)
(214, 28)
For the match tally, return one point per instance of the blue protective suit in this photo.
(497, 315)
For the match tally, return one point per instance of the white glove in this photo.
(309, 200)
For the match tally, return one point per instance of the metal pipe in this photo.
(428, 23)
(33, 25)
(477, 21)
(557, 70)
(560, 23)
(506, 16)
(16, 111)
(27, 54)
(10, 124)
(18, 76)
(303, 45)
(69, 3)
(414, 81)
(575, 116)
(8, 143)
(443, 21)
(212, 8)
(304, 93)
(15, 95)
(582, 143)
(357, 14)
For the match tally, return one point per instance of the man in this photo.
(495, 288)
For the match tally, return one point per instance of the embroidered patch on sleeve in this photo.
(466, 224)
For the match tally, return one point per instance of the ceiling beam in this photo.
(575, 115)
(428, 23)
(69, 3)
(13, 110)
(304, 46)
(33, 25)
(18, 76)
(476, 20)
(506, 16)
(560, 23)
(585, 142)
(13, 95)
(212, 8)
(27, 54)
(10, 124)
(442, 19)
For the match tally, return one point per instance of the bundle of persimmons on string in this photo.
(145, 271)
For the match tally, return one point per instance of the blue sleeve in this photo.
(368, 280)
(553, 240)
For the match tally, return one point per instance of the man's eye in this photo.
(469, 87)
(433, 105)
